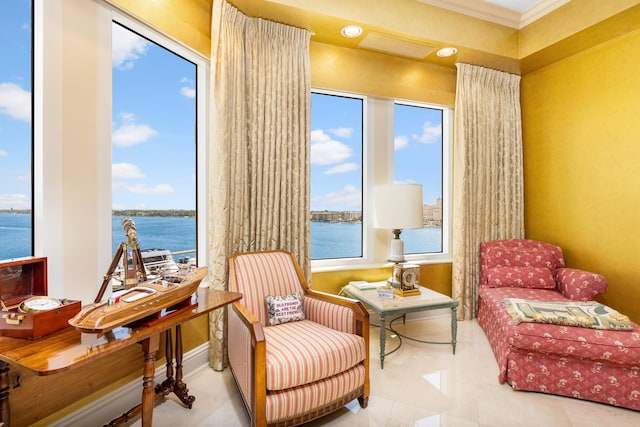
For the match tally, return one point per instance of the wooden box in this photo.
(21, 280)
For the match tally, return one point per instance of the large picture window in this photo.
(418, 160)
(336, 176)
(153, 144)
(16, 141)
(358, 142)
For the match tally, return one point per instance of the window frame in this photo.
(366, 246)
(378, 168)
(201, 122)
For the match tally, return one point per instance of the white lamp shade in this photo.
(397, 206)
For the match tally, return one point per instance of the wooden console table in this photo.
(66, 349)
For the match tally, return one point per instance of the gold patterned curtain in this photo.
(488, 193)
(259, 149)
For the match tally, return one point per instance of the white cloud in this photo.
(327, 151)
(399, 142)
(342, 168)
(188, 92)
(3, 153)
(348, 197)
(15, 201)
(130, 133)
(15, 102)
(430, 133)
(126, 47)
(158, 189)
(342, 132)
(126, 171)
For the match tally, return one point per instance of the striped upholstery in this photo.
(292, 373)
(294, 359)
(262, 274)
(331, 315)
(298, 401)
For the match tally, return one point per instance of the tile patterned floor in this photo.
(421, 385)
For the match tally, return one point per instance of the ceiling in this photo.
(512, 13)
(503, 34)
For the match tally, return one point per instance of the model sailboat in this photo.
(142, 298)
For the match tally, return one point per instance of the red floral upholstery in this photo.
(589, 364)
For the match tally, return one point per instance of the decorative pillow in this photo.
(520, 277)
(283, 309)
(499, 257)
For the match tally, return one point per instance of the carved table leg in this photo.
(180, 388)
(5, 410)
(167, 385)
(150, 347)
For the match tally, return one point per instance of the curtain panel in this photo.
(259, 148)
(488, 188)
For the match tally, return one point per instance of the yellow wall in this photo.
(186, 21)
(581, 151)
(433, 276)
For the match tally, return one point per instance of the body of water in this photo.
(343, 240)
(328, 239)
(15, 235)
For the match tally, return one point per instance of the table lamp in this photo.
(397, 206)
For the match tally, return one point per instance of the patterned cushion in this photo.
(262, 274)
(580, 285)
(283, 309)
(293, 359)
(297, 401)
(534, 257)
(520, 277)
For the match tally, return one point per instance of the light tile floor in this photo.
(421, 385)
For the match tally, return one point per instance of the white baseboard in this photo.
(102, 410)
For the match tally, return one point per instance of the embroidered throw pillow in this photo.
(520, 277)
(283, 309)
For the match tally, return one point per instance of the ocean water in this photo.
(328, 239)
(343, 240)
(15, 235)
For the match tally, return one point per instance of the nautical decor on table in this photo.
(27, 309)
(142, 298)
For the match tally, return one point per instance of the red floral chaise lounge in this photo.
(600, 365)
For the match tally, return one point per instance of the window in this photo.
(418, 159)
(16, 146)
(336, 176)
(399, 141)
(154, 146)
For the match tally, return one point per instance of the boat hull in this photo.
(139, 302)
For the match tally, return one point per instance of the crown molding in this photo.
(500, 15)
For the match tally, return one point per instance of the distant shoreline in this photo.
(127, 212)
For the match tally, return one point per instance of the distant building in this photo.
(336, 216)
(432, 214)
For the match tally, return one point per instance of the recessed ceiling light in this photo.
(447, 51)
(351, 31)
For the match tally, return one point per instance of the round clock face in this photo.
(35, 304)
(409, 277)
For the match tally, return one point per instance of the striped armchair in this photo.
(298, 370)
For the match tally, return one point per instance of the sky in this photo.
(15, 105)
(153, 125)
(153, 130)
(336, 151)
(153, 119)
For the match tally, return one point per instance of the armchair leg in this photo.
(364, 401)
